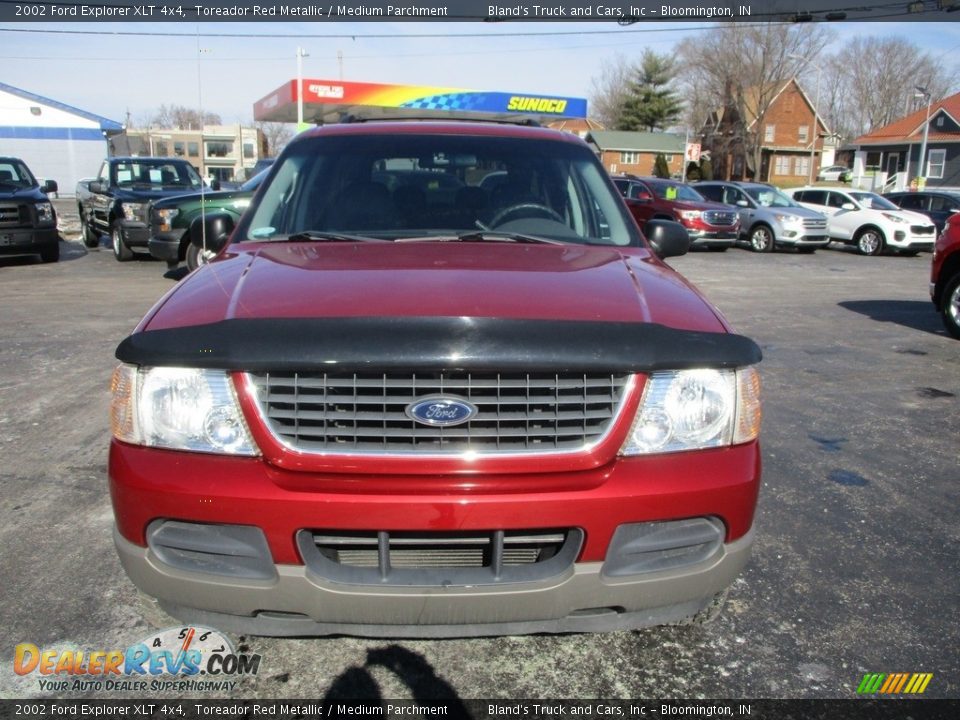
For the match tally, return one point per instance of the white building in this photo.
(58, 142)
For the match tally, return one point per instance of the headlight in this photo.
(134, 211)
(44, 212)
(894, 218)
(166, 216)
(689, 214)
(178, 408)
(788, 219)
(694, 409)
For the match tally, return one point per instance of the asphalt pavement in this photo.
(855, 568)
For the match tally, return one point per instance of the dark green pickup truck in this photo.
(170, 220)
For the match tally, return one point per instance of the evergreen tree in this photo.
(651, 105)
(693, 172)
(660, 167)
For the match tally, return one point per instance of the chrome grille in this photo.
(720, 217)
(813, 224)
(13, 215)
(437, 550)
(922, 229)
(439, 559)
(365, 412)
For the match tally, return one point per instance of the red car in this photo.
(400, 411)
(711, 225)
(945, 275)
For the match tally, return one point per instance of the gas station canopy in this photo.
(326, 101)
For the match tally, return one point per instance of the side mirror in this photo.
(848, 206)
(743, 203)
(96, 186)
(667, 238)
(216, 226)
(50, 186)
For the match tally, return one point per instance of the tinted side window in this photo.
(814, 197)
(911, 202)
(942, 203)
(837, 200)
(731, 196)
(711, 192)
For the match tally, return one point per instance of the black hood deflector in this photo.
(435, 343)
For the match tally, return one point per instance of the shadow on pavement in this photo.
(915, 314)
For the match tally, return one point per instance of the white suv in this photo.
(867, 220)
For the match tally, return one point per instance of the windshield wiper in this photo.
(499, 236)
(319, 236)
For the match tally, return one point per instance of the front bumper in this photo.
(903, 240)
(135, 234)
(292, 597)
(800, 238)
(17, 241)
(711, 238)
(165, 246)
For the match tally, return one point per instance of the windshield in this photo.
(157, 175)
(872, 201)
(407, 185)
(14, 173)
(769, 197)
(675, 191)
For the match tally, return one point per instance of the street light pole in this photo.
(922, 171)
(300, 56)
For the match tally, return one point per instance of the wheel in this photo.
(120, 250)
(870, 241)
(91, 238)
(519, 207)
(950, 309)
(51, 253)
(761, 239)
(197, 257)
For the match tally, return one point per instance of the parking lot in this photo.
(858, 548)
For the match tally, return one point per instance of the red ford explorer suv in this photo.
(398, 403)
(710, 224)
(945, 275)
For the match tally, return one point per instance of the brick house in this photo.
(580, 127)
(785, 134)
(635, 152)
(890, 155)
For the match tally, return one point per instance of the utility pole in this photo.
(922, 170)
(300, 56)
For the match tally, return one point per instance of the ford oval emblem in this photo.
(440, 411)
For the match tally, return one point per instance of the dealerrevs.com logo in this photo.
(183, 658)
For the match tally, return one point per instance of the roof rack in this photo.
(500, 118)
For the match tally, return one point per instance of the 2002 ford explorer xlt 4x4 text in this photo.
(406, 402)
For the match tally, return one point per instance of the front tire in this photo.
(120, 250)
(51, 253)
(91, 238)
(870, 241)
(761, 239)
(950, 309)
(197, 257)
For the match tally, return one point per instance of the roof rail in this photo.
(498, 118)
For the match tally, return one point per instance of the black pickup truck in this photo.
(28, 222)
(117, 201)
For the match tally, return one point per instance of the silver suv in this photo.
(768, 218)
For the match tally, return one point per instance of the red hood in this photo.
(569, 282)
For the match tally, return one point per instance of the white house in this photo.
(57, 141)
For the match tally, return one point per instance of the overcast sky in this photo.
(111, 74)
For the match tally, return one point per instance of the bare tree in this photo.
(179, 117)
(611, 90)
(873, 82)
(743, 68)
(277, 135)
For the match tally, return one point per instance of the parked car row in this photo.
(718, 214)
